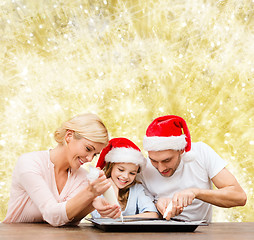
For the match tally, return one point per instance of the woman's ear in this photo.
(68, 136)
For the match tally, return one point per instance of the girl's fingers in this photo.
(116, 213)
(112, 212)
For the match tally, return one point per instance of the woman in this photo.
(50, 185)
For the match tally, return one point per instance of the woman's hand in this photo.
(105, 209)
(100, 185)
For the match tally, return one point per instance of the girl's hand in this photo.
(105, 209)
(100, 185)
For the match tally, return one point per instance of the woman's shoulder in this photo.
(34, 156)
(33, 160)
(35, 153)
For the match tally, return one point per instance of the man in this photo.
(184, 174)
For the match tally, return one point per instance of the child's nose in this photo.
(125, 175)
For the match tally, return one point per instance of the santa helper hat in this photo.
(169, 132)
(121, 150)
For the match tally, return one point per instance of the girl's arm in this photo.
(144, 215)
(146, 207)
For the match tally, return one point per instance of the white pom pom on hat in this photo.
(169, 132)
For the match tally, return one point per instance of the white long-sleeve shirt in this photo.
(34, 196)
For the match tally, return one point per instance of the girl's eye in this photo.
(88, 149)
(133, 173)
(121, 170)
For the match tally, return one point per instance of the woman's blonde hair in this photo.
(85, 125)
(124, 192)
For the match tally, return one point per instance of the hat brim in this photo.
(164, 143)
(126, 155)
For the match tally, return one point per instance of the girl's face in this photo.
(80, 151)
(123, 174)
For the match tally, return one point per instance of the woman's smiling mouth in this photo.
(81, 161)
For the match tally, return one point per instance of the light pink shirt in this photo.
(34, 196)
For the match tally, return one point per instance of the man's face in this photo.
(166, 162)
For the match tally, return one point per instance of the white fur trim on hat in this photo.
(164, 143)
(126, 155)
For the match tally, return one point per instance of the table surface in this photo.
(85, 231)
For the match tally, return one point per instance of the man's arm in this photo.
(228, 193)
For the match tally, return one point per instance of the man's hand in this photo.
(180, 200)
(162, 205)
(105, 209)
(184, 198)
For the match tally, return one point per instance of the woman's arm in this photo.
(80, 205)
(76, 220)
(59, 213)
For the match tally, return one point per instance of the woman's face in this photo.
(80, 151)
(123, 174)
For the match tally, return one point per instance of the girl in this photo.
(123, 160)
(50, 185)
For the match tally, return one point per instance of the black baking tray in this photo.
(144, 225)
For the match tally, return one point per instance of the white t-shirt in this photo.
(194, 174)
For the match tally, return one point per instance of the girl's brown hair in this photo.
(124, 192)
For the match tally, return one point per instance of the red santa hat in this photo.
(169, 132)
(121, 150)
